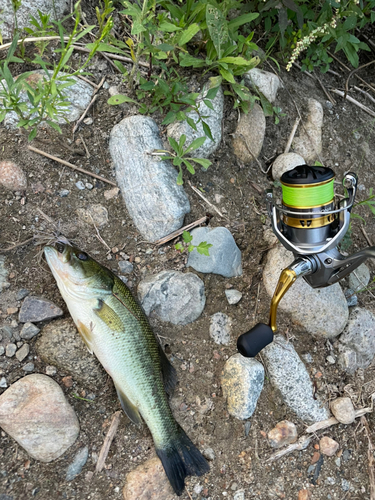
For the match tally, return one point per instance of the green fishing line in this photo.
(308, 196)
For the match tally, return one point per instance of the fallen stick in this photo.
(70, 165)
(107, 441)
(173, 235)
(34, 39)
(299, 445)
(366, 236)
(84, 145)
(348, 69)
(85, 112)
(370, 455)
(353, 73)
(205, 199)
(324, 424)
(350, 99)
(17, 245)
(292, 134)
(365, 93)
(112, 56)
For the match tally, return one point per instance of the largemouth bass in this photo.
(115, 328)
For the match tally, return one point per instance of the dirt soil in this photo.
(240, 460)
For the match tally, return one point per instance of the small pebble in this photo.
(343, 410)
(283, 433)
(51, 371)
(308, 358)
(80, 185)
(125, 266)
(29, 367)
(345, 485)
(2, 350)
(331, 360)
(233, 296)
(67, 381)
(351, 297)
(209, 454)
(22, 353)
(63, 193)
(304, 494)
(239, 495)
(12, 176)
(76, 466)
(328, 446)
(137, 260)
(111, 193)
(29, 330)
(89, 185)
(10, 350)
(3, 382)
(315, 457)
(12, 310)
(88, 121)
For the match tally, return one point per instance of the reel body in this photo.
(307, 223)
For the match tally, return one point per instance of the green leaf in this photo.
(187, 237)
(189, 166)
(238, 61)
(266, 105)
(105, 47)
(240, 20)
(208, 103)
(207, 130)
(168, 27)
(179, 178)
(179, 246)
(119, 99)
(32, 134)
(203, 247)
(227, 75)
(191, 122)
(148, 85)
(203, 162)
(181, 143)
(173, 143)
(211, 94)
(188, 34)
(170, 118)
(197, 143)
(191, 248)
(217, 27)
(186, 60)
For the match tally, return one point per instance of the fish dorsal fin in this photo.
(108, 315)
(128, 407)
(86, 335)
(168, 372)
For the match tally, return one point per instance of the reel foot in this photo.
(249, 344)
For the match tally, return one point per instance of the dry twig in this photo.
(112, 56)
(354, 101)
(364, 93)
(34, 39)
(348, 69)
(324, 424)
(17, 245)
(353, 73)
(85, 113)
(301, 444)
(366, 236)
(107, 441)
(292, 134)
(370, 455)
(70, 165)
(84, 145)
(170, 237)
(205, 199)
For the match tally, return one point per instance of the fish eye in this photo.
(60, 247)
(82, 256)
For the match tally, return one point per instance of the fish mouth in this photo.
(60, 252)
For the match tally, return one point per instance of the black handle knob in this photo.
(249, 344)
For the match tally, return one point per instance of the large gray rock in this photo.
(173, 296)
(28, 8)
(3, 274)
(213, 118)
(267, 83)
(249, 135)
(154, 201)
(322, 312)
(357, 343)
(224, 255)
(309, 142)
(59, 344)
(359, 278)
(35, 413)
(288, 374)
(77, 96)
(36, 309)
(242, 382)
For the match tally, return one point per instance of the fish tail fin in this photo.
(181, 458)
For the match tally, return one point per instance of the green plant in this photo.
(178, 155)
(202, 248)
(39, 98)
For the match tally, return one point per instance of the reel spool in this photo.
(309, 224)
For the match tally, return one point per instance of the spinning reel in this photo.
(310, 225)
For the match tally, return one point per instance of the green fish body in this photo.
(115, 328)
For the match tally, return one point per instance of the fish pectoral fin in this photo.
(168, 372)
(86, 335)
(108, 315)
(128, 407)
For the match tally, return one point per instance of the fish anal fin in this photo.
(168, 372)
(86, 335)
(129, 408)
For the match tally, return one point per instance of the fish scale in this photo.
(115, 328)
